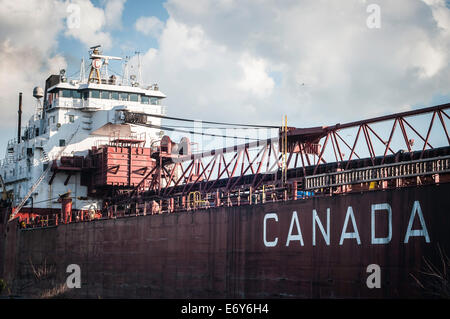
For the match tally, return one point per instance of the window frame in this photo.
(130, 95)
(63, 91)
(145, 99)
(91, 95)
(120, 96)
(105, 98)
(113, 94)
(76, 92)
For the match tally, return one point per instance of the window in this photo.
(71, 118)
(145, 99)
(76, 95)
(62, 142)
(154, 101)
(133, 97)
(85, 95)
(124, 96)
(95, 94)
(66, 93)
(115, 95)
(105, 95)
(51, 120)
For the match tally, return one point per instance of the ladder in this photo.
(43, 175)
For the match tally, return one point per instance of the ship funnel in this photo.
(19, 124)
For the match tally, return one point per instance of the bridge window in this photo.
(105, 94)
(76, 95)
(66, 93)
(124, 96)
(85, 95)
(154, 101)
(115, 95)
(95, 94)
(145, 99)
(134, 97)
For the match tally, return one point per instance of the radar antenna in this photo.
(97, 63)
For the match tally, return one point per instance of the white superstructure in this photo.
(74, 116)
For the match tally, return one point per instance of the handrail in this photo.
(380, 172)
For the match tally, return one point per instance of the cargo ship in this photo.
(354, 210)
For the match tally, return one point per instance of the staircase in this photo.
(87, 122)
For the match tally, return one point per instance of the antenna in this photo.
(97, 63)
(82, 71)
(139, 67)
(125, 71)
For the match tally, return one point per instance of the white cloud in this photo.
(91, 27)
(219, 55)
(202, 78)
(28, 32)
(113, 13)
(255, 80)
(28, 41)
(151, 26)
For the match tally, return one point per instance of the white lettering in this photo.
(355, 234)
(266, 242)
(74, 17)
(74, 279)
(198, 309)
(374, 280)
(387, 208)
(374, 19)
(417, 232)
(316, 221)
(291, 237)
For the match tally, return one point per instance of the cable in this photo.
(117, 73)
(219, 128)
(193, 132)
(46, 200)
(208, 122)
(70, 76)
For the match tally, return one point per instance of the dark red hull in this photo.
(223, 253)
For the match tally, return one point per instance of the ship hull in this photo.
(271, 250)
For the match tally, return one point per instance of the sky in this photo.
(248, 61)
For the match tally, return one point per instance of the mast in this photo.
(19, 124)
(125, 71)
(82, 71)
(139, 67)
(97, 63)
